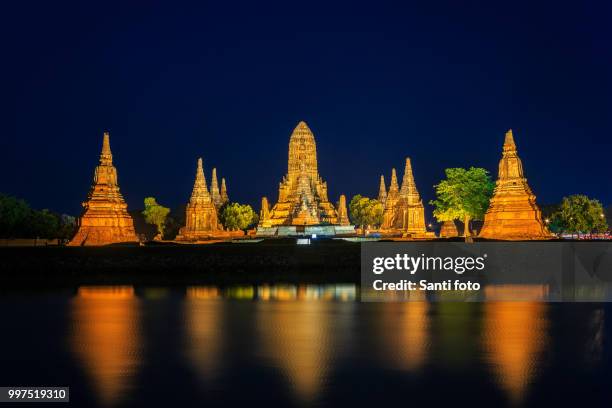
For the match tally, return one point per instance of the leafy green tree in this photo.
(14, 214)
(365, 211)
(174, 221)
(18, 220)
(235, 216)
(42, 224)
(464, 195)
(579, 214)
(554, 224)
(155, 213)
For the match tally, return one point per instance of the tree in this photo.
(174, 221)
(580, 214)
(42, 224)
(13, 216)
(66, 227)
(155, 214)
(235, 216)
(463, 195)
(18, 220)
(365, 211)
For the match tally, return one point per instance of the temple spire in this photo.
(302, 131)
(214, 185)
(201, 219)
(214, 188)
(106, 157)
(302, 152)
(509, 144)
(382, 190)
(513, 213)
(408, 181)
(409, 190)
(224, 196)
(393, 187)
(105, 219)
(404, 211)
(302, 193)
(200, 191)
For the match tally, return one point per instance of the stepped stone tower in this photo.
(214, 189)
(302, 194)
(105, 219)
(224, 197)
(513, 213)
(343, 218)
(201, 220)
(382, 191)
(404, 211)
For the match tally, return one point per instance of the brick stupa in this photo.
(449, 229)
(404, 211)
(513, 213)
(201, 221)
(264, 213)
(105, 219)
(343, 218)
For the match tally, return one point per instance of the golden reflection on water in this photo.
(336, 292)
(304, 329)
(515, 335)
(516, 292)
(301, 338)
(405, 331)
(106, 338)
(203, 321)
(307, 292)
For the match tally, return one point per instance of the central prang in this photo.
(302, 194)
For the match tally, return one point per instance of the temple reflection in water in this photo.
(514, 334)
(405, 329)
(304, 340)
(305, 333)
(204, 330)
(106, 338)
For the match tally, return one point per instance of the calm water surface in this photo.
(300, 346)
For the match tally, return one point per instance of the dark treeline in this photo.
(19, 220)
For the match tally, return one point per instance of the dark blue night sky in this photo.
(439, 82)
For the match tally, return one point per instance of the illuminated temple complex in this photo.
(404, 212)
(201, 221)
(513, 213)
(105, 219)
(303, 206)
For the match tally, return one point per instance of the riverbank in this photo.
(271, 261)
(166, 264)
